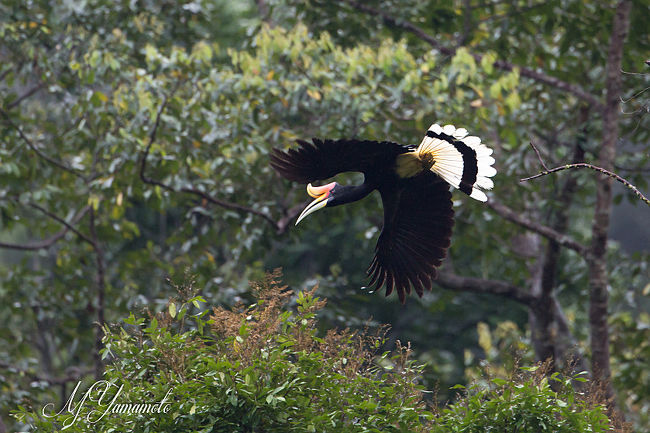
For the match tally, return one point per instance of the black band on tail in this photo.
(470, 165)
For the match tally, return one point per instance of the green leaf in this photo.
(172, 309)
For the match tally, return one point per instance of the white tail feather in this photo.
(448, 160)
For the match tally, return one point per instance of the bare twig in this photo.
(560, 220)
(593, 167)
(539, 156)
(38, 245)
(228, 205)
(501, 64)
(640, 92)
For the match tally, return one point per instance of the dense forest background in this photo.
(134, 141)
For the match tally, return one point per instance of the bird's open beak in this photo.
(321, 194)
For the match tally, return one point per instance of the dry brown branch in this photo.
(539, 156)
(634, 189)
(548, 171)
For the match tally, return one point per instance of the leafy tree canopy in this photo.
(134, 140)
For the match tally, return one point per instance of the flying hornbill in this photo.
(413, 183)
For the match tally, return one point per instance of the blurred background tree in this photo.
(133, 149)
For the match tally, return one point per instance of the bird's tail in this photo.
(460, 159)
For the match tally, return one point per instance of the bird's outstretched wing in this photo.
(418, 221)
(322, 159)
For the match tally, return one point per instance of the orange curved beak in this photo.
(321, 195)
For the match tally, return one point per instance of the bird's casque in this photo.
(414, 186)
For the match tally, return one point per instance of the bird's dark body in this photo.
(418, 214)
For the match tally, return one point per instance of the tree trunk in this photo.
(598, 277)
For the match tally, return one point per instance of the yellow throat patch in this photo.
(412, 163)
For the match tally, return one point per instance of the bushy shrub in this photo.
(257, 368)
(530, 401)
(264, 368)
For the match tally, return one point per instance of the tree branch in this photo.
(501, 64)
(547, 232)
(452, 281)
(36, 150)
(634, 189)
(152, 138)
(289, 215)
(47, 243)
(25, 95)
(192, 190)
(62, 221)
(539, 156)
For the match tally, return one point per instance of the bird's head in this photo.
(322, 195)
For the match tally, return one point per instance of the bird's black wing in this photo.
(322, 159)
(418, 221)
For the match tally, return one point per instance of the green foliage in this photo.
(504, 349)
(264, 367)
(260, 367)
(526, 403)
(631, 341)
(85, 84)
